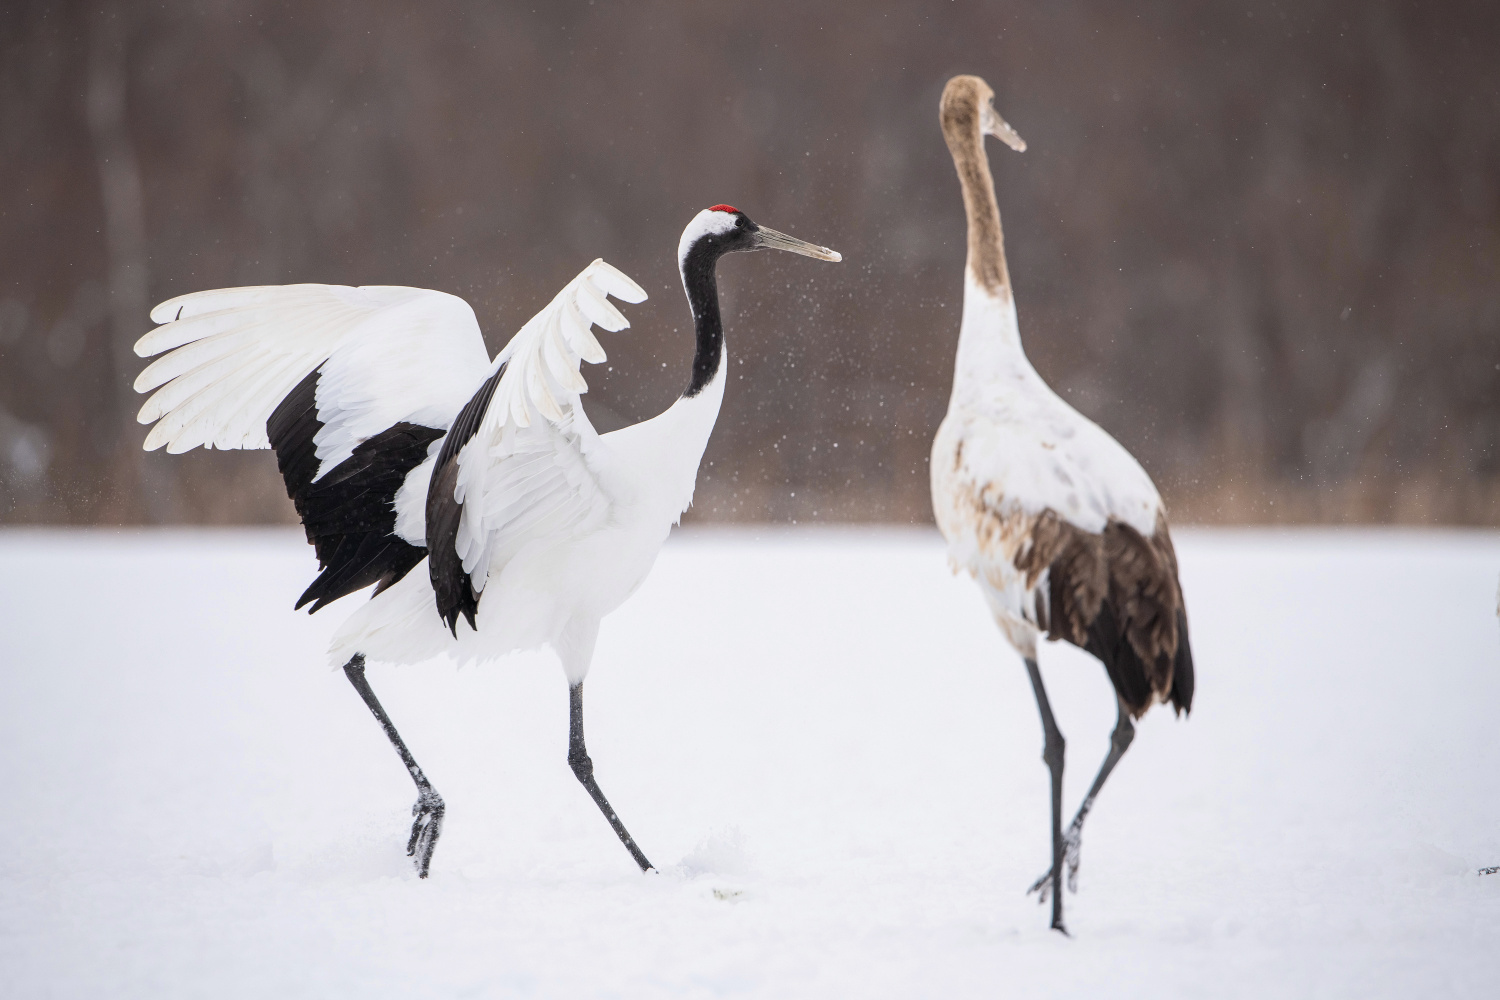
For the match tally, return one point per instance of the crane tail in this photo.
(1182, 669)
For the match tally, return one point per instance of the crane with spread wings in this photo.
(472, 493)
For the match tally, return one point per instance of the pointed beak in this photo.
(771, 239)
(991, 123)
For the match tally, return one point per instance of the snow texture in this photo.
(820, 739)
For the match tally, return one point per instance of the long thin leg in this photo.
(583, 770)
(1119, 742)
(429, 808)
(1052, 754)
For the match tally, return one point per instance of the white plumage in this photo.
(538, 476)
(391, 354)
(1008, 451)
(473, 493)
(1058, 524)
(530, 479)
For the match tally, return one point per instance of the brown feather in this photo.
(959, 110)
(1117, 582)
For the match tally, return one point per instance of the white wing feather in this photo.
(531, 470)
(387, 353)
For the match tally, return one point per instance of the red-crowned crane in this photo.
(1058, 524)
(402, 442)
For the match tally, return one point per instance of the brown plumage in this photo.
(960, 110)
(1059, 525)
(1116, 595)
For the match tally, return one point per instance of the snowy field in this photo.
(817, 736)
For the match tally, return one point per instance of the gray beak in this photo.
(992, 124)
(773, 240)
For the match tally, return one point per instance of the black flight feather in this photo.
(349, 514)
(450, 584)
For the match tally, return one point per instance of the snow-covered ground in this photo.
(817, 736)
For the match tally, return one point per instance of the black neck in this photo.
(703, 298)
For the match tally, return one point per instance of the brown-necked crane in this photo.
(1058, 524)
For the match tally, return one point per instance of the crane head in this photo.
(967, 96)
(725, 229)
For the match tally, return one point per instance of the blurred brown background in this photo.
(1258, 242)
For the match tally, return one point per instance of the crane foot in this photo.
(425, 829)
(1072, 845)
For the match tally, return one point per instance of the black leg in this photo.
(583, 770)
(1052, 754)
(428, 810)
(1119, 742)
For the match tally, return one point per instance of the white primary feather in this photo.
(387, 353)
(530, 470)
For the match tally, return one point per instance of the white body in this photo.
(1008, 450)
(555, 588)
(559, 524)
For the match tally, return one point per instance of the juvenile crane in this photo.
(1058, 524)
(402, 443)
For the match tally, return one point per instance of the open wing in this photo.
(350, 386)
(384, 353)
(518, 463)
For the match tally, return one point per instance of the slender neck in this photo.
(990, 358)
(986, 239)
(699, 280)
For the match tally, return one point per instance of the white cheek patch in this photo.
(705, 223)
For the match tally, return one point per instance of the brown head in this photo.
(967, 116)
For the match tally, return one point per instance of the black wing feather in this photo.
(450, 584)
(349, 515)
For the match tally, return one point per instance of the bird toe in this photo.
(425, 830)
